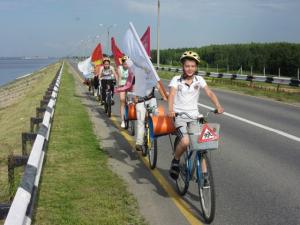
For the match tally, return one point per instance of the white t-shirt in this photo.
(186, 97)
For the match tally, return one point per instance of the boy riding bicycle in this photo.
(183, 97)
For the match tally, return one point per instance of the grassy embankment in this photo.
(77, 186)
(19, 100)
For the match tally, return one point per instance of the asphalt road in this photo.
(256, 171)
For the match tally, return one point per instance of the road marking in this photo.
(177, 200)
(290, 136)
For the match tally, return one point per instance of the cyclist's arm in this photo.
(171, 101)
(100, 72)
(115, 74)
(213, 99)
(119, 72)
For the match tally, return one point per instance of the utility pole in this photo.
(158, 23)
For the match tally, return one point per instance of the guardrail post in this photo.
(40, 111)
(34, 121)
(277, 88)
(44, 103)
(12, 162)
(4, 208)
(27, 137)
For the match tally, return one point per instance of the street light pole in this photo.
(158, 23)
(108, 28)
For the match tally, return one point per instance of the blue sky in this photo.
(63, 27)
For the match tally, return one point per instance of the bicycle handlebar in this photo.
(193, 118)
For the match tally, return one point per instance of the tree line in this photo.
(257, 56)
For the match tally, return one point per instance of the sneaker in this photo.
(138, 148)
(174, 170)
(123, 124)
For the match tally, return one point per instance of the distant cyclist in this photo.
(123, 75)
(183, 97)
(108, 76)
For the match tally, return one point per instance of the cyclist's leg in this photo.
(122, 106)
(184, 140)
(181, 124)
(141, 113)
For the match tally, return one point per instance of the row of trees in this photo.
(270, 56)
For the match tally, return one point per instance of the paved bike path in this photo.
(155, 204)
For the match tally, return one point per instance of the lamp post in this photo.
(108, 27)
(158, 23)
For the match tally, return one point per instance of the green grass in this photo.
(77, 186)
(259, 89)
(15, 119)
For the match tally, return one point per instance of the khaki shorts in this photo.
(186, 125)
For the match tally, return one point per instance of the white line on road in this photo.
(290, 136)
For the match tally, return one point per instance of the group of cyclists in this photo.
(183, 96)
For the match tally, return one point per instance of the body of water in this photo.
(10, 69)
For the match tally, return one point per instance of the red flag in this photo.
(97, 55)
(116, 52)
(145, 39)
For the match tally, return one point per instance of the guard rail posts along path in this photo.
(21, 210)
(266, 79)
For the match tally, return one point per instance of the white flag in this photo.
(85, 67)
(145, 74)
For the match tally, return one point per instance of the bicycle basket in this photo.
(204, 136)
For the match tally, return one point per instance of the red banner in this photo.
(116, 52)
(145, 39)
(97, 55)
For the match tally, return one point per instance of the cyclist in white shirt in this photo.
(123, 75)
(107, 75)
(183, 97)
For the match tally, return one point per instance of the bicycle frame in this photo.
(193, 165)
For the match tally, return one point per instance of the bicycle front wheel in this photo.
(109, 105)
(206, 188)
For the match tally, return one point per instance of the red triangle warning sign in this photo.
(207, 134)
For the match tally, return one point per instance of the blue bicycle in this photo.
(195, 164)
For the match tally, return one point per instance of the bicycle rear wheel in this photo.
(126, 123)
(206, 188)
(152, 152)
(182, 183)
(145, 147)
(131, 127)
